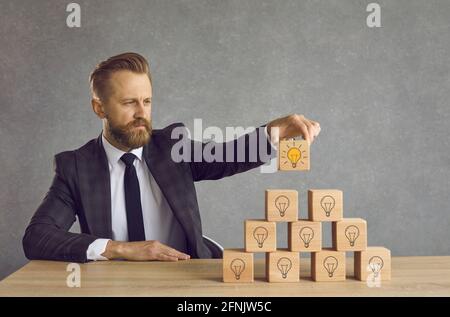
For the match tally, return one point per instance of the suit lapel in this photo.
(172, 187)
(95, 189)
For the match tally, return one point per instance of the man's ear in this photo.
(97, 106)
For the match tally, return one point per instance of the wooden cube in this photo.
(349, 234)
(293, 155)
(305, 236)
(374, 263)
(328, 265)
(283, 266)
(260, 236)
(281, 205)
(325, 204)
(237, 266)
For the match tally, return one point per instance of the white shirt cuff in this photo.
(96, 249)
(274, 144)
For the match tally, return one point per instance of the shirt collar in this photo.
(114, 154)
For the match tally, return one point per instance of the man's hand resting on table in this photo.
(142, 251)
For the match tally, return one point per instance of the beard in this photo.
(127, 135)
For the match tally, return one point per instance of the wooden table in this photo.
(411, 276)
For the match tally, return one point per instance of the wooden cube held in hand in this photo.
(373, 264)
(325, 204)
(328, 265)
(305, 236)
(281, 205)
(283, 266)
(260, 236)
(349, 234)
(237, 266)
(293, 155)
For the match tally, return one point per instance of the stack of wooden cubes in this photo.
(305, 235)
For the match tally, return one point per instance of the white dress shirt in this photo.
(159, 222)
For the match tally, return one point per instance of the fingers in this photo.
(295, 125)
(311, 131)
(172, 253)
(304, 130)
(316, 126)
(165, 257)
(155, 250)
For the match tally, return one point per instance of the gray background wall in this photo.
(381, 96)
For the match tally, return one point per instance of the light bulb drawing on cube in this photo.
(376, 263)
(330, 264)
(260, 234)
(327, 203)
(294, 155)
(352, 233)
(284, 266)
(306, 234)
(237, 266)
(282, 204)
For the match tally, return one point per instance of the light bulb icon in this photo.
(327, 203)
(306, 234)
(282, 204)
(376, 264)
(284, 266)
(352, 233)
(237, 266)
(330, 264)
(260, 234)
(294, 155)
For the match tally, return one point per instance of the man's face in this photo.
(127, 108)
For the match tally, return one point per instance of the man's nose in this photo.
(140, 109)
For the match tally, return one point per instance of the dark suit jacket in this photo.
(81, 189)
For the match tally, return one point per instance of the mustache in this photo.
(139, 122)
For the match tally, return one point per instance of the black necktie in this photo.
(133, 200)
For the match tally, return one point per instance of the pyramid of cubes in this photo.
(305, 235)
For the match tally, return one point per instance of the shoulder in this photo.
(67, 158)
(170, 133)
(167, 131)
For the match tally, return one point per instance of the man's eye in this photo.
(129, 103)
